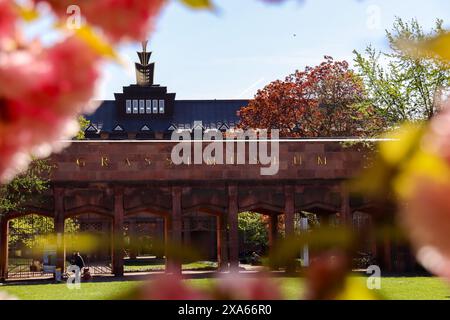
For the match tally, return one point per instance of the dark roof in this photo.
(212, 113)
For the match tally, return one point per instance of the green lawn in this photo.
(392, 288)
(159, 266)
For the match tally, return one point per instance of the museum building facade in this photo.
(121, 184)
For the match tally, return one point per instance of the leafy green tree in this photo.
(25, 187)
(404, 87)
(28, 230)
(34, 230)
(253, 230)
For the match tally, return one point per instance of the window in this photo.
(128, 106)
(148, 106)
(161, 106)
(141, 106)
(155, 106)
(135, 106)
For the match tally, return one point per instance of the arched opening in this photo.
(378, 245)
(255, 238)
(30, 245)
(90, 234)
(144, 242)
(204, 231)
(259, 228)
(310, 217)
(366, 251)
(201, 234)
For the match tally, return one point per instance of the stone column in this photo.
(117, 237)
(234, 231)
(289, 210)
(3, 248)
(222, 249)
(58, 194)
(346, 213)
(167, 222)
(176, 229)
(187, 231)
(160, 233)
(289, 215)
(387, 254)
(273, 235)
(373, 238)
(132, 235)
(60, 243)
(212, 231)
(273, 231)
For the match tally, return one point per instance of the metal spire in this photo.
(144, 69)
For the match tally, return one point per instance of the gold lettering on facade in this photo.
(80, 162)
(169, 162)
(321, 161)
(211, 161)
(105, 162)
(298, 160)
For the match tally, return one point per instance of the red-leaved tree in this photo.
(323, 101)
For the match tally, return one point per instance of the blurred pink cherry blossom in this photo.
(119, 19)
(8, 16)
(426, 212)
(6, 296)
(170, 288)
(238, 287)
(325, 277)
(229, 287)
(41, 92)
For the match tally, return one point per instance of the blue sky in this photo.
(247, 44)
